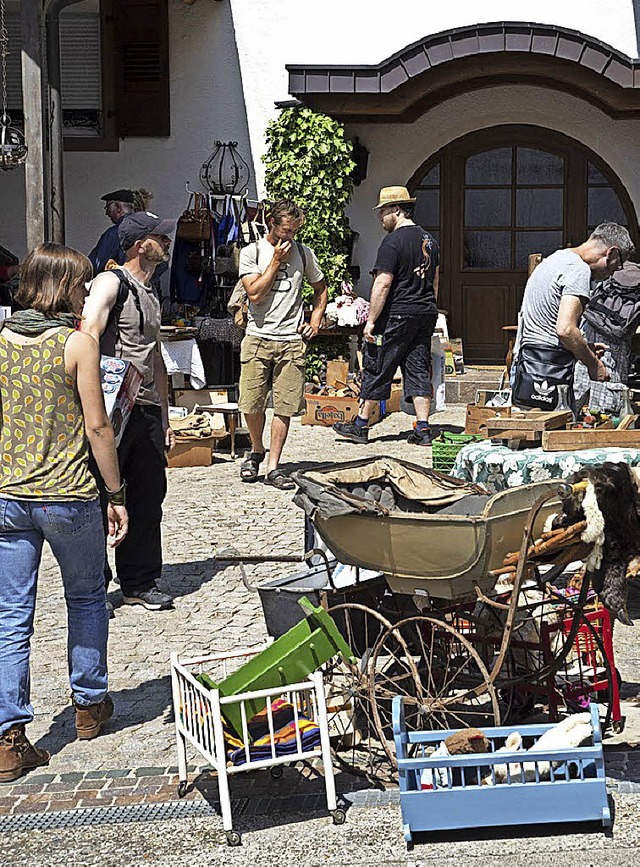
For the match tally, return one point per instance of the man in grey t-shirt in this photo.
(272, 355)
(549, 339)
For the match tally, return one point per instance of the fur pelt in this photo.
(618, 498)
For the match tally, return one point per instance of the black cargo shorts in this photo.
(406, 343)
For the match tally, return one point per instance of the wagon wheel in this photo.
(353, 734)
(444, 681)
(590, 663)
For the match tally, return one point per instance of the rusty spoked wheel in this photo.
(353, 734)
(443, 679)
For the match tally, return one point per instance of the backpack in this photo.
(126, 286)
(238, 305)
(614, 307)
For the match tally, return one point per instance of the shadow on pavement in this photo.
(132, 707)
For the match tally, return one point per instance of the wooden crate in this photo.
(477, 417)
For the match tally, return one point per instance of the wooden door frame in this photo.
(451, 158)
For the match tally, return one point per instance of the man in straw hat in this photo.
(402, 317)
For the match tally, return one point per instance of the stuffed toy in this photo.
(504, 772)
(569, 733)
(467, 741)
(462, 743)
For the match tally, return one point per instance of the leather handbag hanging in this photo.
(195, 222)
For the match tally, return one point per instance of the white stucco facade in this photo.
(227, 62)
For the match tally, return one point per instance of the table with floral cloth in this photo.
(499, 468)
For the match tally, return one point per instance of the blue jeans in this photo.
(75, 533)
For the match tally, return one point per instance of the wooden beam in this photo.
(574, 440)
(32, 106)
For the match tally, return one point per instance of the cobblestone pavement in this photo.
(132, 762)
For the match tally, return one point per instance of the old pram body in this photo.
(427, 532)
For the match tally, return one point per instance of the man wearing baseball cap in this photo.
(122, 312)
(402, 317)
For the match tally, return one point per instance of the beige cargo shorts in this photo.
(276, 366)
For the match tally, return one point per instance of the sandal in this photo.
(278, 479)
(250, 466)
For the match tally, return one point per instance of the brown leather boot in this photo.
(18, 755)
(89, 718)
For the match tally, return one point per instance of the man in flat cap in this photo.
(402, 317)
(122, 312)
(118, 204)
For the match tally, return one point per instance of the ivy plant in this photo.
(309, 160)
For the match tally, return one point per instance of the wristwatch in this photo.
(119, 497)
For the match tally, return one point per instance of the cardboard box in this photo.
(120, 381)
(191, 453)
(478, 415)
(328, 410)
(190, 397)
(337, 373)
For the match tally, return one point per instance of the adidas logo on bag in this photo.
(543, 392)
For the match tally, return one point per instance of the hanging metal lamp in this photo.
(13, 147)
(225, 172)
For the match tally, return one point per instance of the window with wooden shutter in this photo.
(80, 69)
(141, 67)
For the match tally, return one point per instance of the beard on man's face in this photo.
(155, 253)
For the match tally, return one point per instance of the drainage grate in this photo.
(61, 819)
(108, 815)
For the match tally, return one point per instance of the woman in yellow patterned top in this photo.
(51, 409)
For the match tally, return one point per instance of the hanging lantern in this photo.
(225, 172)
(13, 148)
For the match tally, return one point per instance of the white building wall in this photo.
(227, 62)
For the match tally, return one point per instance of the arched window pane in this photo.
(427, 211)
(489, 167)
(535, 242)
(538, 207)
(490, 250)
(604, 206)
(538, 167)
(595, 176)
(432, 177)
(487, 208)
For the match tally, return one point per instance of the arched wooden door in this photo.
(492, 198)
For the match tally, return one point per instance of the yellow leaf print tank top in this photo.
(44, 454)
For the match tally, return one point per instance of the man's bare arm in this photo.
(258, 286)
(379, 292)
(99, 304)
(569, 316)
(436, 282)
(320, 298)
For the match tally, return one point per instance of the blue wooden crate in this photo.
(464, 803)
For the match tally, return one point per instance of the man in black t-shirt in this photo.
(402, 317)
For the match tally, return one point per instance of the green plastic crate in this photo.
(445, 448)
(290, 659)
